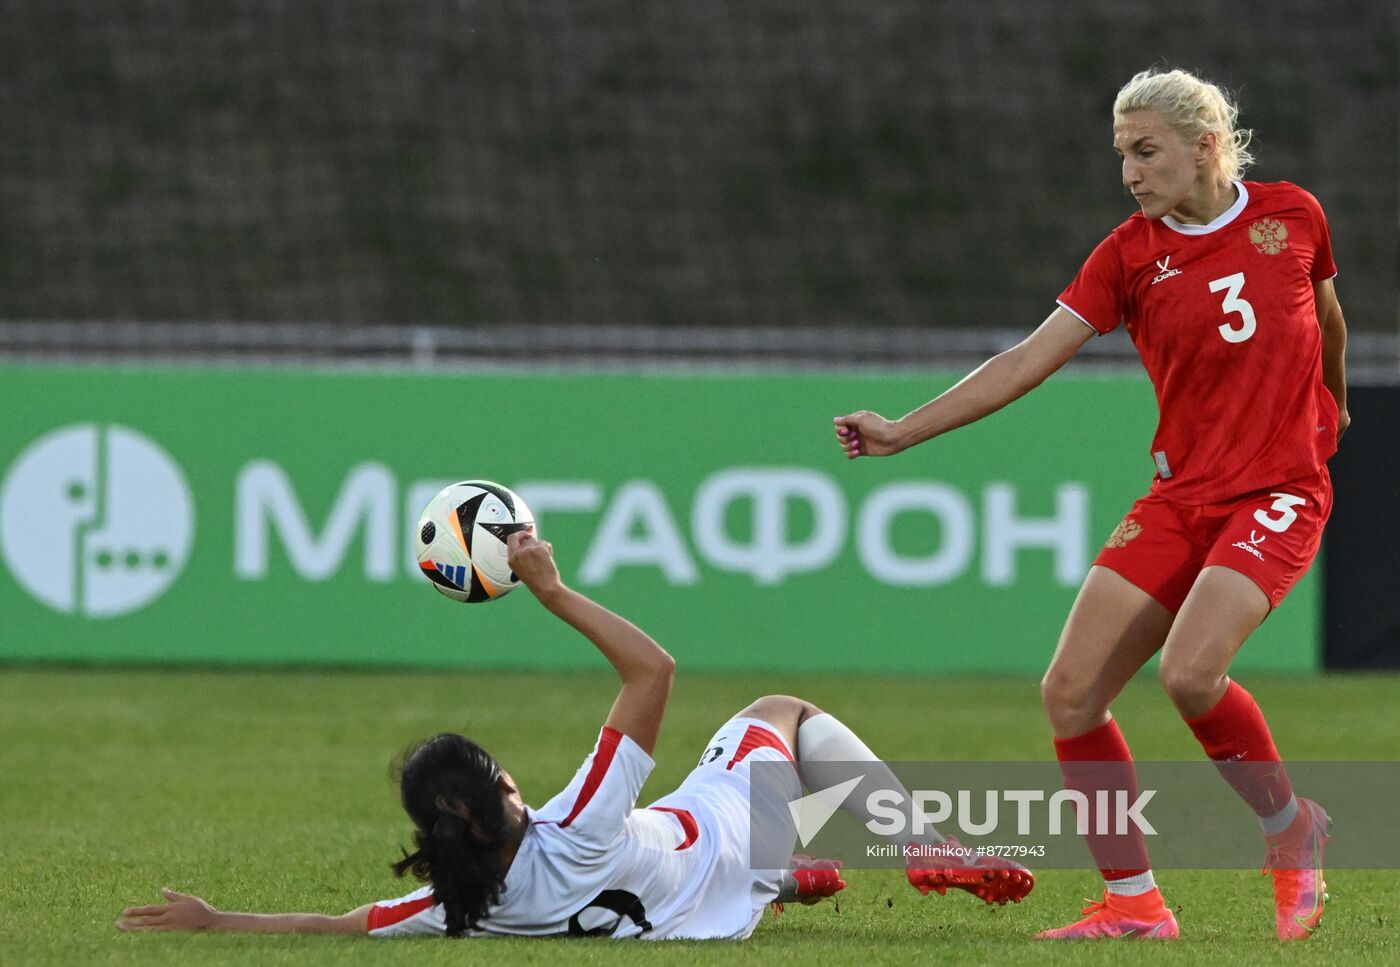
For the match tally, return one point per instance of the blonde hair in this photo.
(1191, 107)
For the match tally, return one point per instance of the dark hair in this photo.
(449, 788)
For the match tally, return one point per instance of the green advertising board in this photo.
(229, 515)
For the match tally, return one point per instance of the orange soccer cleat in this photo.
(1116, 917)
(1295, 861)
(952, 865)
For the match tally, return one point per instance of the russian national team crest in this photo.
(1126, 530)
(1269, 236)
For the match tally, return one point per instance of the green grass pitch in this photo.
(270, 790)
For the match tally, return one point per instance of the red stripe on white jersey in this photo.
(602, 759)
(381, 915)
(758, 738)
(687, 821)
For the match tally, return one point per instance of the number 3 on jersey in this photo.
(1232, 284)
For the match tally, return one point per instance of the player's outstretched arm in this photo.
(181, 911)
(644, 666)
(1334, 349)
(1000, 380)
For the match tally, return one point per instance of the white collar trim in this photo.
(1221, 220)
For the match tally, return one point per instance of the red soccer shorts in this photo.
(1270, 536)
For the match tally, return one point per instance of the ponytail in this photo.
(450, 789)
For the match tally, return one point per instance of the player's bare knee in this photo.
(1060, 694)
(784, 712)
(1072, 707)
(1187, 687)
(782, 706)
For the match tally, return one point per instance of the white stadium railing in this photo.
(1371, 357)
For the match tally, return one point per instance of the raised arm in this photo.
(644, 666)
(1000, 380)
(181, 911)
(1334, 348)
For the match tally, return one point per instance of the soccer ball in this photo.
(461, 539)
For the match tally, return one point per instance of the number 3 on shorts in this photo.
(1284, 504)
(1232, 284)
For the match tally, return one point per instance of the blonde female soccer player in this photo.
(588, 863)
(1225, 287)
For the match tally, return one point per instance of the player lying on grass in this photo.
(588, 862)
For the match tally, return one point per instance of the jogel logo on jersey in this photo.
(1269, 236)
(1166, 271)
(96, 521)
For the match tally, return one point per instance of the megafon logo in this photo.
(95, 521)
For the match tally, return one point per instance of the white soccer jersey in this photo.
(592, 865)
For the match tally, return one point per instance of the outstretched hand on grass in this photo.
(181, 911)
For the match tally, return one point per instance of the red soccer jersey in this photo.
(1224, 319)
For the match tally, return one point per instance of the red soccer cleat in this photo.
(952, 865)
(809, 880)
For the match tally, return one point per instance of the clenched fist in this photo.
(867, 434)
(532, 560)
